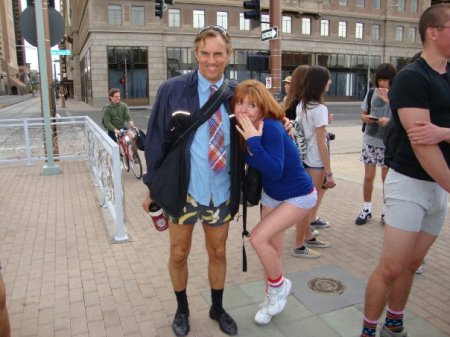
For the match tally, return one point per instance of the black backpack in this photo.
(394, 131)
(393, 134)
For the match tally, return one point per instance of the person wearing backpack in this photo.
(375, 116)
(418, 181)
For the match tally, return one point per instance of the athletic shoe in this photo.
(305, 253)
(319, 223)
(262, 317)
(420, 269)
(363, 217)
(314, 232)
(385, 332)
(316, 243)
(277, 297)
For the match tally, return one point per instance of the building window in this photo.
(114, 14)
(414, 6)
(324, 27)
(375, 32)
(222, 19)
(174, 17)
(128, 71)
(264, 22)
(399, 33)
(401, 5)
(198, 20)
(137, 15)
(244, 24)
(376, 4)
(306, 26)
(359, 30)
(360, 3)
(412, 34)
(342, 30)
(287, 24)
(342, 2)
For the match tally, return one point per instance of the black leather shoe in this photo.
(226, 322)
(180, 325)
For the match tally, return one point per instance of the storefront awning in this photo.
(17, 82)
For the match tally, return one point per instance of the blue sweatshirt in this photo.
(276, 157)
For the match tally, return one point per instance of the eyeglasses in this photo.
(219, 29)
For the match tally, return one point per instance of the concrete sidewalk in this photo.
(64, 277)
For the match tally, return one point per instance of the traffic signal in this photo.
(159, 8)
(254, 12)
(62, 44)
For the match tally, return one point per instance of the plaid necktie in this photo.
(216, 149)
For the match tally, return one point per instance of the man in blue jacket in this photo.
(214, 179)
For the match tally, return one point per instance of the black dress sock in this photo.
(182, 301)
(216, 298)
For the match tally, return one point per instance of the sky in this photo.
(31, 51)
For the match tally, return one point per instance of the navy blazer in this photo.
(180, 93)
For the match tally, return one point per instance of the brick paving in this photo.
(65, 278)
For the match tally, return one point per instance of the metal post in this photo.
(43, 38)
(275, 49)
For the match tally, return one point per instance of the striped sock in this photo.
(369, 328)
(394, 320)
(275, 283)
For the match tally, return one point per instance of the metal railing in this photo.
(76, 138)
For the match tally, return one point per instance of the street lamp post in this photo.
(370, 40)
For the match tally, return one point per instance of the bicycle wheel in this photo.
(124, 158)
(135, 161)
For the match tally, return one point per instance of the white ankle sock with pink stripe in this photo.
(275, 283)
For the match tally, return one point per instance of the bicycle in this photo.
(129, 155)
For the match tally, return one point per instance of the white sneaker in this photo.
(277, 297)
(314, 232)
(262, 317)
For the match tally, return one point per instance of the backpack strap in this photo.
(369, 105)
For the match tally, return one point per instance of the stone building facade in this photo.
(123, 44)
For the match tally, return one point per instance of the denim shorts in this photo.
(414, 205)
(305, 201)
(209, 215)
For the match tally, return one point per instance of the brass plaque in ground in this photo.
(327, 285)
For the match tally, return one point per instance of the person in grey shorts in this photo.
(4, 318)
(418, 182)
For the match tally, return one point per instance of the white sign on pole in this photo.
(269, 82)
(269, 34)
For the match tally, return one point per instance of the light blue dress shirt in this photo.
(205, 185)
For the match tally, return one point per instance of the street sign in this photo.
(61, 52)
(269, 82)
(269, 34)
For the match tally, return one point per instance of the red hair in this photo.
(259, 95)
